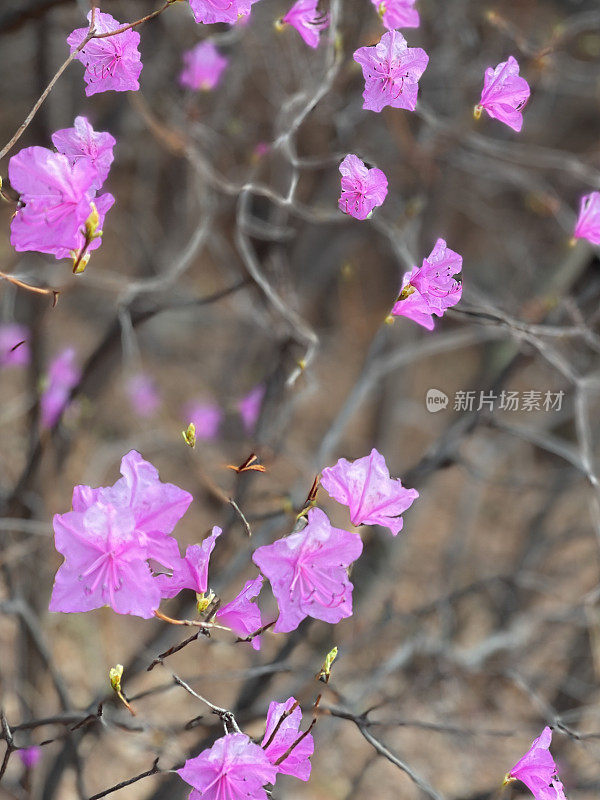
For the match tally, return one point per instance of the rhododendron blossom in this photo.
(431, 288)
(391, 70)
(365, 486)
(57, 198)
(538, 771)
(83, 143)
(209, 11)
(307, 20)
(113, 63)
(110, 536)
(241, 614)
(234, 767)
(362, 188)
(504, 94)
(249, 408)
(398, 13)
(297, 762)
(588, 222)
(203, 67)
(308, 572)
(63, 374)
(143, 395)
(191, 571)
(14, 345)
(206, 417)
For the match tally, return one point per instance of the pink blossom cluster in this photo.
(306, 18)
(203, 67)
(60, 211)
(538, 771)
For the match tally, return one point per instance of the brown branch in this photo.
(152, 771)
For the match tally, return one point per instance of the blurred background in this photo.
(230, 290)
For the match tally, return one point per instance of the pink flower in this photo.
(83, 143)
(209, 11)
(249, 408)
(57, 197)
(398, 13)
(203, 66)
(297, 762)
(309, 22)
(30, 756)
(588, 222)
(234, 767)
(191, 571)
(111, 64)
(538, 771)
(504, 94)
(206, 417)
(241, 614)
(430, 289)
(63, 375)
(308, 572)
(143, 395)
(362, 189)
(105, 563)
(391, 70)
(366, 488)
(14, 345)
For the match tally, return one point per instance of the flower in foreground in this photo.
(308, 572)
(538, 771)
(63, 374)
(365, 486)
(588, 222)
(241, 614)
(83, 143)
(209, 11)
(307, 20)
(297, 763)
(505, 94)
(431, 288)
(234, 767)
(143, 395)
(398, 13)
(391, 71)
(191, 571)
(203, 67)
(57, 198)
(362, 189)
(113, 63)
(14, 345)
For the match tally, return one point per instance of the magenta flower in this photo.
(14, 345)
(504, 94)
(234, 767)
(297, 762)
(57, 197)
(209, 11)
(143, 395)
(241, 614)
(588, 222)
(206, 417)
(30, 756)
(365, 486)
(63, 375)
(309, 22)
(398, 13)
(191, 571)
(362, 189)
(430, 289)
(538, 771)
(391, 70)
(111, 64)
(83, 143)
(308, 572)
(203, 67)
(249, 408)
